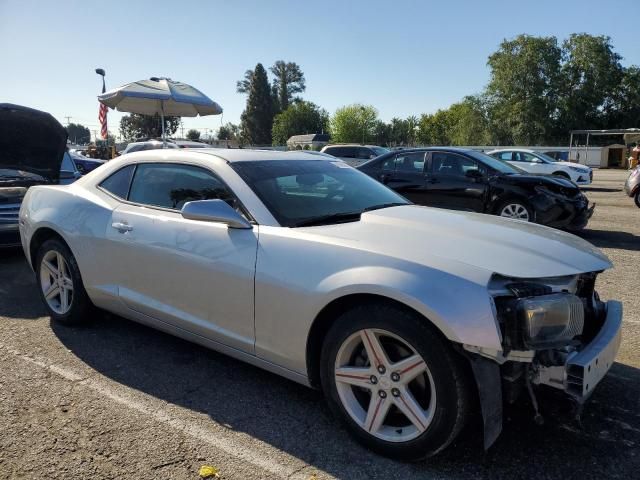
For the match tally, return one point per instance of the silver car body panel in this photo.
(255, 293)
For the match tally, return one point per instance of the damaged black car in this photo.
(463, 179)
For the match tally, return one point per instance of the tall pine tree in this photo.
(257, 119)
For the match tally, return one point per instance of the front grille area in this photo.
(9, 213)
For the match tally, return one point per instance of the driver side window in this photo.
(453, 165)
(526, 157)
(171, 186)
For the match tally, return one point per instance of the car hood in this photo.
(31, 141)
(453, 241)
(553, 182)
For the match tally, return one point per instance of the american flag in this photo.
(102, 116)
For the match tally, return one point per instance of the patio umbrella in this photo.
(160, 96)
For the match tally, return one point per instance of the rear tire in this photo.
(61, 288)
(412, 400)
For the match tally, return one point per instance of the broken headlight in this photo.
(550, 319)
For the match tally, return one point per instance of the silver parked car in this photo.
(308, 268)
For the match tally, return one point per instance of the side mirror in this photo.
(473, 173)
(214, 211)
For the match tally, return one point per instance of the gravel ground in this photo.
(119, 400)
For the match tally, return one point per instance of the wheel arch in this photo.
(41, 235)
(562, 173)
(329, 314)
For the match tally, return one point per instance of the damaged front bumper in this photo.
(584, 369)
(577, 376)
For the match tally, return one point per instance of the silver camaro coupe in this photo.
(297, 263)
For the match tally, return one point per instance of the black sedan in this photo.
(463, 179)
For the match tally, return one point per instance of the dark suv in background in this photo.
(355, 155)
(462, 179)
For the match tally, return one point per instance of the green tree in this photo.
(434, 129)
(228, 131)
(353, 124)
(626, 110)
(257, 118)
(297, 119)
(382, 133)
(244, 85)
(193, 135)
(134, 126)
(398, 131)
(468, 123)
(411, 125)
(523, 88)
(288, 80)
(78, 133)
(591, 76)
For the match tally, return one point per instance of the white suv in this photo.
(537, 162)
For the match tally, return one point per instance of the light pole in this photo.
(364, 123)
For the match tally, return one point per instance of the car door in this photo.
(404, 173)
(529, 162)
(450, 185)
(194, 275)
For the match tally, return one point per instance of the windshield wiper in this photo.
(328, 219)
(385, 205)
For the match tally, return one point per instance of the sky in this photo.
(403, 57)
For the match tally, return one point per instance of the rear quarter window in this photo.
(118, 183)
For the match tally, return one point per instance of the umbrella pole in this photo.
(164, 140)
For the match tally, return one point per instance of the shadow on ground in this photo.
(611, 239)
(19, 296)
(296, 420)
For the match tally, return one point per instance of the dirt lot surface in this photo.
(119, 400)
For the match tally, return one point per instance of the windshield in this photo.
(499, 165)
(307, 192)
(380, 150)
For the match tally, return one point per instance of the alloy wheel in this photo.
(385, 385)
(515, 210)
(56, 282)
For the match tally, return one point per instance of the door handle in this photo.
(122, 227)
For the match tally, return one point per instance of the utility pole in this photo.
(68, 120)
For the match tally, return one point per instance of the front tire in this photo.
(61, 287)
(516, 209)
(411, 400)
(636, 199)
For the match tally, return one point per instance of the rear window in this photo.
(119, 182)
(335, 151)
